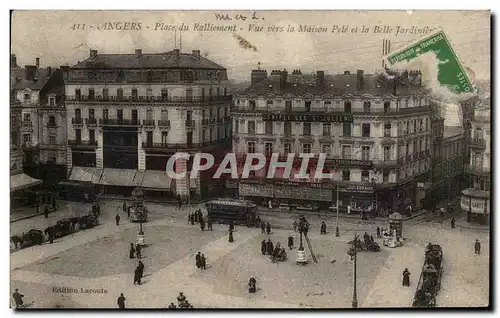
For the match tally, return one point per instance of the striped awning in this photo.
(22, 181)
(156, 180)
(84, 174)
(119, 177)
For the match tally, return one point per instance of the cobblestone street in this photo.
(98, 259)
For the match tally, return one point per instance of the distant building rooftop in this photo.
(452, 131)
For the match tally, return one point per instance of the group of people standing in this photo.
(265, 227)
(201, 261)
(197, 217)
(139, 271)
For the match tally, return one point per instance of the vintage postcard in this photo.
(250, 159)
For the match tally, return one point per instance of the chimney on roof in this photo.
(347, 73)
(93, 54)
(37, 63)
(296, 72)
(138, 53)
(257, 76)
(49, 70)
(196, 54)
(360, 81)
(320, 78)
(30, 71)
(283, 78)
(13, 60)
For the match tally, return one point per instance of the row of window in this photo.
(91, 94)
(27, 119)
(367, 105)
(150, 114)
(347, 150)
(27, 139)
(306, 129)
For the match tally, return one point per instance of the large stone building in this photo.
(476, 200)
(129, 113)
(374, 129)
(19, 181)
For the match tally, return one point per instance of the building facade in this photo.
(375, 131)
(449, 148)
(20, 183)
(476, 200)
(129, 113)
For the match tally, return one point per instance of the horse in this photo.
(16, 239)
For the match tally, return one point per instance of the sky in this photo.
(54, 37)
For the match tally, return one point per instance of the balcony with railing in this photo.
(146, 99)
(52, 124)
(164, 123)
(27, 124)
(477, 142)
(91, 122)
(82, 143)
(477, 170)
(169, 147)
(119, 122)
(77, 121)
(148, 123)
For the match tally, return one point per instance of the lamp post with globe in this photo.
(353, 252)
(303, 227)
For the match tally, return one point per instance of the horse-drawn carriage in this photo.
(88, 221)
(32, 237)
(429, 283)
(361, 246)
(279, 254)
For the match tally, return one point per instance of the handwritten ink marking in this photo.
(219, 16)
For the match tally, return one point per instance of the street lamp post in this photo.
(353, 252)
(301, 254)
(337, 231)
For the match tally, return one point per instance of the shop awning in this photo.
(83, 174)
(22, 181)
(156, 180)
(118, 177)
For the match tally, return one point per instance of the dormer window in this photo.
(308, 106)
(252, 104)
(387, 107)
(52, 101)
(27, 97)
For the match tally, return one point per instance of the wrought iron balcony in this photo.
(478, 142)
(91, 122)
(190, 123)
(77, 121)
(181, 146)
(27, 124)
(82, 143)
(147, 99)
(119, 122)
(163, 123)
(476, 170)
(148, 122)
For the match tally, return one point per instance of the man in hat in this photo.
(181, 299)
(203, 262)
(124, 206)
(323, 228)
(138, 251)
(252, 282)
(453, 223)
(117, 219)
(198, 260)
(121, 301)
(406, 277)
(263, 247)
(140, 266)
(132, 251)
(231, 225)
(231, 239)
(209, 223)
(295, 225)
(202, 223)
(290, 242)
(268, 228)
(477, 247)
(263, 227)
(137, 276)
(46, 212)
(18, 298)
(378, 232)
(270, 247)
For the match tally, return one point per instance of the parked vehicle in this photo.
(239, 211)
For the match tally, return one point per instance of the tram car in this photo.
(429, 283)
(224, 211)
(138, 213)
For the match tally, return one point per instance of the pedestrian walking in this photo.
(453, 223)
(196, 216)
(263, 247)
(121, 301)
(231, 239)
(323, 228)
(54, 205)
(263, 227)
(18, 298)
(46, 212)
(231, 225)
(295, 225)
(406, 277)
(124, 206)
(128, 212)
(117, 218)
(137, 276)
(198, 260)
(202, 224)
(138, 251)
(477, 247)
(378, 232)
(270, 247)
(203, 262)
(290, 242)
(209, 224)
(252, 285)
(132, 251)
(268, 228)
(192, 219)
(189, 217)
(371, 239)
(140, 266)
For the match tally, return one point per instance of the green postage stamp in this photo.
(451, 73)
